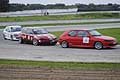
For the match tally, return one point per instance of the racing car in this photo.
(37, 36)
(12, 32)
(86, 38)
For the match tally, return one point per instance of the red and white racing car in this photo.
(37, 36)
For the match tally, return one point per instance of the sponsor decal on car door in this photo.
(30, 37)
(86, 39)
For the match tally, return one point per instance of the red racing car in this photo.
(86, 39)
(37, 36)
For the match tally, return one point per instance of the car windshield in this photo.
(94, 33)
(16, 29)
(40, 31)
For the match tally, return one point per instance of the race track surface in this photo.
(14, 50)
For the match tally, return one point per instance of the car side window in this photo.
(72, 33)
(24, 30)
(6, 29)
(82, 34)
(29, 31)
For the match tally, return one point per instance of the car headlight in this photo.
(39, 40)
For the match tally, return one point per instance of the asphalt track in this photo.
(58, 21)
(14, 50)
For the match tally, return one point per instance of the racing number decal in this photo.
(31, 38)
(24, 36)
(28, 37)
(86, 39)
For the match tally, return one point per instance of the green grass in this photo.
(113, 32)
(61, 17)
(2, 27)
(60, 65)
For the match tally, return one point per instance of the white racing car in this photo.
(12, 32)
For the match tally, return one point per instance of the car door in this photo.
(29, 35)
(72, 38)
(84, 38)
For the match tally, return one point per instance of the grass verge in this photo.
(61, 17)
(60, 65)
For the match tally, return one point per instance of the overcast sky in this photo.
(65, 1)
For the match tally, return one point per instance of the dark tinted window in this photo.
(15, 29)
(29, 31)
(39, 31)
(72, 33)
(24, 30)
(82, 33)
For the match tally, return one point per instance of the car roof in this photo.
(80, 30)
(14, 26)
(33, 28)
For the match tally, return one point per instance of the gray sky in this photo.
(65, 1)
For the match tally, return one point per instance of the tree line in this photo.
(21, 7)
(5, 6)
(101, 7)
(81, 7)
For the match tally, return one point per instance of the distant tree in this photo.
(17, 7)
(4, 5)
(35, 6)
(110, 4)
(116, 7)
(56, 6)
(100, 7)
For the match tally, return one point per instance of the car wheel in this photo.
(35, 42)
(64, 44)
(98, 45)
(11, 38)
(21, 41)
(4, 37)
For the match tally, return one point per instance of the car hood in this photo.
(105, 37)
(46, 36)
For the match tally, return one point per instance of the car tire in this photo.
(35, 42)
(64, 44)
(98, 45)
(11, 37)
(21, 41)
(4, 37)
